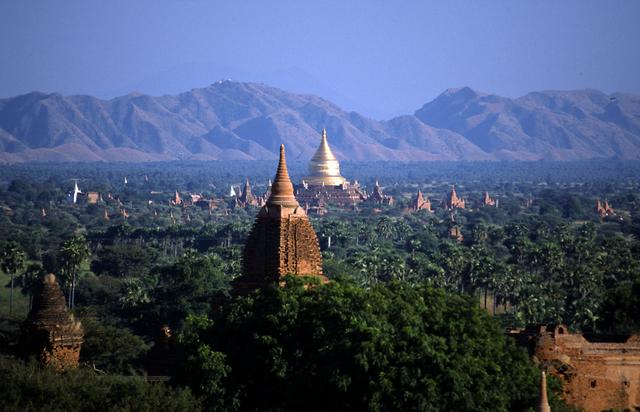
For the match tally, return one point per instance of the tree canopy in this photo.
(342, 347)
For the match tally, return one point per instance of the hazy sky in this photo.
(381, 58)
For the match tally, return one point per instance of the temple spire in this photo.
(324, 168)
(282, 241)
(282, 188)
(543, 406)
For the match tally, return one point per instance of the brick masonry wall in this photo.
(596, 375)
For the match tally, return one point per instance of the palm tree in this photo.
(12, 260)
(386, 227)
(29, 280)
(74, 251)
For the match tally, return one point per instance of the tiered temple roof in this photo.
(420, 203)
(325, 182)
(453, 201)
(247, 198)
(378, 197)
(50, 332)
(282, 241)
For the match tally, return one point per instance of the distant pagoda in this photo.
(378, 197)
(325, 183)
(453, 201)
(324, 168)
(50, 332)
(420, 203)
(604, 209)
(488, 200)
(282, 241)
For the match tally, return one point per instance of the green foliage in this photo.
(111, 349)
(337, 347)
(12, 261)
(27, 387)
(185, 287)
(73, 251)
(542, 255)
(124, 261)
(621, 308)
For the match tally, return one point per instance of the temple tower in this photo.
(324, 168)
(453, 201)
(50, 332)
(246, 198)
(420, 203)
(282, 241)
(488, 200)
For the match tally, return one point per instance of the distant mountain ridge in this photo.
(232, 120)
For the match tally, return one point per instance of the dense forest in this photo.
(414, 318)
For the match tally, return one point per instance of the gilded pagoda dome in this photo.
(324, 168)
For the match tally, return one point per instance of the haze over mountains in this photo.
(233, 120)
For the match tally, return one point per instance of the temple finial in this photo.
(282, 188)
(324, 132)
(543, 406)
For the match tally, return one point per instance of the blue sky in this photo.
(380, 58)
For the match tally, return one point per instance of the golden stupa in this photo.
(324, 169)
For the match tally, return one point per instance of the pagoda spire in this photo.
(282, 241)
(324, 167)
(543, 406)
(282, 188)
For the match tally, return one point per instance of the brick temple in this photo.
(50, 332)
(453, 201)
(604, 209)
(488, 200)
(282, 241)
(597, 372)
(377, 197)
(419, 202)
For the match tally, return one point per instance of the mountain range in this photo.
(231, 120)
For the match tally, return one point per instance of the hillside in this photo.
(233, 120)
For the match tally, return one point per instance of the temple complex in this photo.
(453, 201)
(247, 198)
(420, 203)
(378, 197)
(598, 372)
(282, 241)
(325, 181)
(604, 209)
(488, 200)
(50, 332)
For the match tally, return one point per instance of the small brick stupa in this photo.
(282, 241)
(50, 332)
